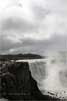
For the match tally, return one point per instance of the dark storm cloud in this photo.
(18, 24)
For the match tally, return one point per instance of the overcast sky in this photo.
(33, 26)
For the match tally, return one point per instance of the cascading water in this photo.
(38, 70)
(51, 76)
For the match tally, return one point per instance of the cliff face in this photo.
(14, 81)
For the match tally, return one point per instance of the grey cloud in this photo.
(6, 44)
(49, 26)
(56, 43)
(39, 11)
(17, 24)
(36, 46)
(28, 45)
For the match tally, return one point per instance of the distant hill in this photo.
(19, 56)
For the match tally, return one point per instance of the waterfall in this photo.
(51, 76)
(38, 70)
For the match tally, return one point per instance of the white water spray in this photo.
(51, 75)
